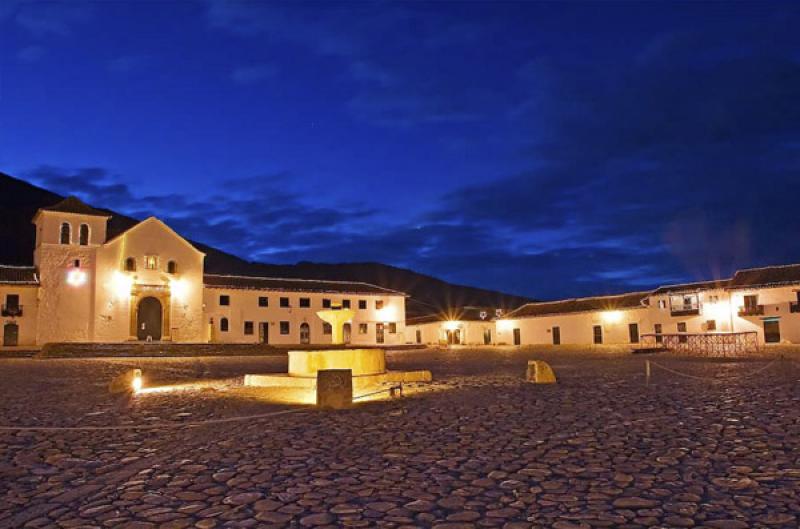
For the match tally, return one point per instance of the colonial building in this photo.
(148, 283)
(463, 326)
(761, 305)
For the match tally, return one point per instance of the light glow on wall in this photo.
(721, 310)
(504, 325)
(76, 277)
(121, 285)
(612, 316)
(179, 289)
(387, 313)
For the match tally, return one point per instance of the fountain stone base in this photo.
(368, 367)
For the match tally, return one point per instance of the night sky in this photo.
(551, 150)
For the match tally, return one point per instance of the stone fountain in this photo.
(367, 366)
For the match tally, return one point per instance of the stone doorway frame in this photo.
(161, 293)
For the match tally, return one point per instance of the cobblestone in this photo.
(477, 448)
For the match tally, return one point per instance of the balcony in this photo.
(12, 310)
(751, 310)
(687, 309)
(794, 306)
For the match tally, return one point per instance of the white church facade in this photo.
(148, 284)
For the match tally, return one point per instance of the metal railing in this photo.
(11, 310)
(707, 343)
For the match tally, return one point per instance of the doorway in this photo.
(148, 319)
(556, 335)
(633, 332)
(487, 337)
(453, 336)
(772, 331)
(419, 336)
(263, 332)
(305, 333)
(517, 337)
(10, 334)
(347, 332)
(379, 333)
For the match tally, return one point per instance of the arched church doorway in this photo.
(149, 319)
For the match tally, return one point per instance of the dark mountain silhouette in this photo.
(19, 201)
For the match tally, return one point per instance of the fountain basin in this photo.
(360, 361)
(368, 367)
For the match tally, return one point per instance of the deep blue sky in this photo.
(548, 149)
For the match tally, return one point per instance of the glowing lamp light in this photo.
(451, 325)
(121, 285)
(612, 316)
(136, 381)
(719, 310)
(76, 277)
(388, 313)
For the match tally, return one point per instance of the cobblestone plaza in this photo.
(479, 447)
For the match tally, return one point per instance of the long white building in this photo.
(148, 283)
(756, 306)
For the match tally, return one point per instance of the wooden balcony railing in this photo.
(751, 310)
(687, 309)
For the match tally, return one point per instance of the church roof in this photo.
(75, 205)
(295, 285)
(18, 275)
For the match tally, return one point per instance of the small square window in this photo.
(362, 304)
(711, 325)
(326, 303)
(151, 262)
(263, 301)
(362, 328)
(284, 327)
(345, 303)
(392, 328)
(224, 300)
(284, 302)
(378, 304)
(305, 302)
(326, 328)
(248, 327)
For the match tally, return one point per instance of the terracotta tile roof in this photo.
(623, 301)
(692, 287)
(458, 314)
(75, 205)
(767, 276)
(18, 275)
(295, 285)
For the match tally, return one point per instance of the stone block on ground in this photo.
(334, 388)
(540, 372)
